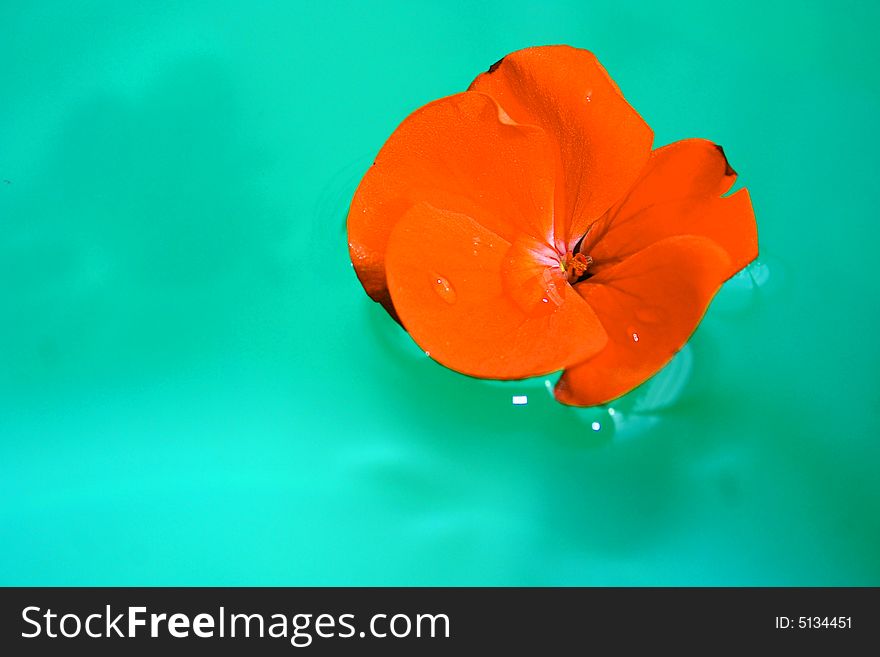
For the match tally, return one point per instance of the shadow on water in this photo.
(603, 479)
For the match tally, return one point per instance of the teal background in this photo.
(195, 390)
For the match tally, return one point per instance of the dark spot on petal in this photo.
(495, 66)
(728, 171)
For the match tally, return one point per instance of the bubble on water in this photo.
(597, 425)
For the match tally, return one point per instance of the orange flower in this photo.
(525, 226)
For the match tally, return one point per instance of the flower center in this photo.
(574, 266)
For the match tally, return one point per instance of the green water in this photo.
(195, 390)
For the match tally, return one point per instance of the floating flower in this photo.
(525, 226)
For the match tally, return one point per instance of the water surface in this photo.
(195, 390)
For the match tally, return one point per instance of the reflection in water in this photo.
(662, 390)
(391, 339)
(762, 279)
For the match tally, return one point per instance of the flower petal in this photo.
(446, 273)
(459, 153)
(649, 304)
(678, 193)
(603, 142)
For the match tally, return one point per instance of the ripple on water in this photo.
(390, 339)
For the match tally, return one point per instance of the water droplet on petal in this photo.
(443, 288)
(635, 336)
(553, 294)
(589, 96)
